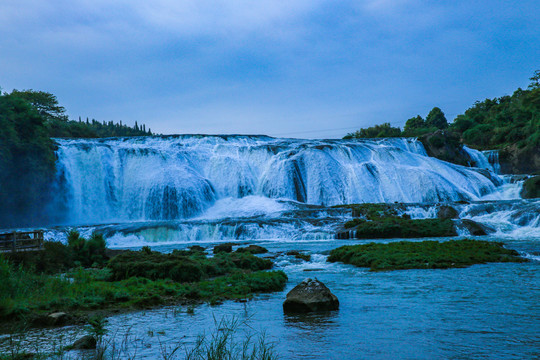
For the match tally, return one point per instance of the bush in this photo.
(182, 266)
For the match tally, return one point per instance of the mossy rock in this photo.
(226, 248)
(531, 188)
(299, 255)
(253, 249)
(396, 227)
(424, 255)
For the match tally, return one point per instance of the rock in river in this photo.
(310, 295)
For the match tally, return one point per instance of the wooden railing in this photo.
(21, 241)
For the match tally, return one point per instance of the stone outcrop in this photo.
(445, 145)
(531, 188)
(475, 228)
(514, 160)
(447, 212)
(309, 296)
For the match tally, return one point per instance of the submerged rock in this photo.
(87, 342)
(308, 296)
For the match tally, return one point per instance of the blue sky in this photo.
(298, 68)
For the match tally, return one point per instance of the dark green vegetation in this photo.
(182, 266)
(381, 221)
(299, 255)
(28, 120)
(396, 227)
(415, 126)
(423, 255)
(133, 279)
(531, 188)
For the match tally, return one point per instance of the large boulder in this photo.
(308, 296)
(531, 188)
(447, 212)
(475, 228)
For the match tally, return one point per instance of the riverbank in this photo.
(130, 281)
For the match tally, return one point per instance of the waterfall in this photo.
(179, 177)
(493, 158)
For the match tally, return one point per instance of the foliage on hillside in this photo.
(496, 123)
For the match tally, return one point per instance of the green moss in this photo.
(299, 255)
(374, 211)
(423, 255)
(394, 227)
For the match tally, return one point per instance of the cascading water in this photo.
(217, 188)
(180, 177)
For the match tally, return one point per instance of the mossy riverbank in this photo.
(132, 280)
(386, 221)
(423, 255)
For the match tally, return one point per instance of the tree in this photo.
(45, 103)
(535, 81)
(414, 123)
(436, 119)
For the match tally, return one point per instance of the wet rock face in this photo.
(447, 212)
(514, 160)
(309, 296)
(475, 228)
(531, 188)
(445, 145)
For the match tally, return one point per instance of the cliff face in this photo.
(520, 161)
(446, 145)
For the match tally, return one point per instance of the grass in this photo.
(423, 255)
(134, 280)
(230, 339)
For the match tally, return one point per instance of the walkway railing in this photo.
(21, 241)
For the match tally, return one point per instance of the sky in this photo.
(295, 68)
